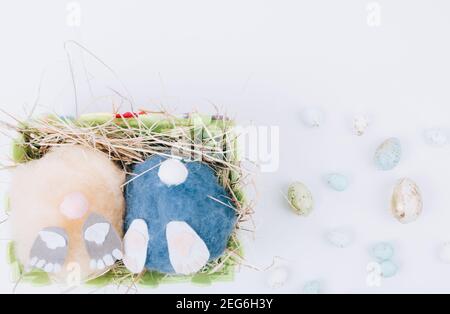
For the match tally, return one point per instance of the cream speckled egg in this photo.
(278, 277)
(360, 124)
(406, 202)
(436, 137)
(313, 117)
(444, 253)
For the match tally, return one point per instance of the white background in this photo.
(263, 61)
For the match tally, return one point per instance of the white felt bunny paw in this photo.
(188, 253)
(102, 242)
(49, 250)
(135, 245)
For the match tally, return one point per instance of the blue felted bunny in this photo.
(178, 216)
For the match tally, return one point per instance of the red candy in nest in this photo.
(129, 115)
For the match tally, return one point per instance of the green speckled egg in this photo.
(300, 199)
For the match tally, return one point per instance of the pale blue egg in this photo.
(337, 182)
(339, 238)
(383, 251)
(312, 287)
(388, 154)
(388, 269)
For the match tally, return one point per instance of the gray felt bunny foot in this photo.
(49, 250)
(102, 242)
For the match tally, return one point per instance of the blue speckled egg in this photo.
(312, 287)
(383, 251)
(199, 200)
(337, 182)
(388, 154)
(388, 269)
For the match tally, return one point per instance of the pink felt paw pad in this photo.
(74, 206)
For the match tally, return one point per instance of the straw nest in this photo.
(132, 138)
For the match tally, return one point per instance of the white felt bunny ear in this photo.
(97, 233)
(52, 239)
